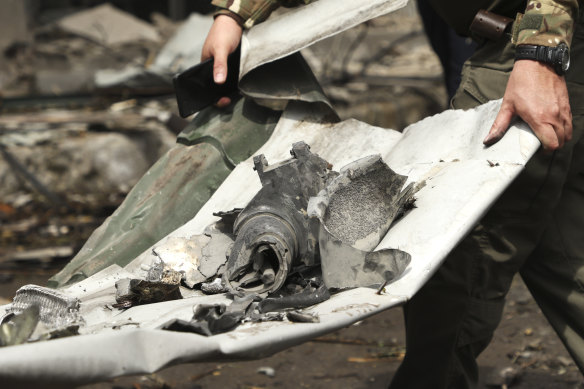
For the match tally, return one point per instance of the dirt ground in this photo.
(365, 355)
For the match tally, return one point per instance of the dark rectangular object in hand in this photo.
(195, 88)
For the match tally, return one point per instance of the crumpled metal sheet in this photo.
(115, 343)
(355, 211)
(280, 36)
(286, 79)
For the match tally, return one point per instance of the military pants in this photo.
(536, 228)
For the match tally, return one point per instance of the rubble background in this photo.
(71, 150)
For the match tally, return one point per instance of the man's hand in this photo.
(223, 38)
(540, 97)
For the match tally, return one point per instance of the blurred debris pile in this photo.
(63, 171)
(38, 237)
(71, 54)
(71, 149)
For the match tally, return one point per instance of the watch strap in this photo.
(557, 57)
(537, 53)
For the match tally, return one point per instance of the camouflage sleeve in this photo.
(546, 23)
(250, 12)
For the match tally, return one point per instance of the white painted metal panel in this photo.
(283, 35)
(444, 150)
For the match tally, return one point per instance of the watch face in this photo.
(565, 60)
(563, 57)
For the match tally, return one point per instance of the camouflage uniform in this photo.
(535, 228)
(545, 22)
(250, 12)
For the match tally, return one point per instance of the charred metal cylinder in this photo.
(273, 233)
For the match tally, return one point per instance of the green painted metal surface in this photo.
(175, 187)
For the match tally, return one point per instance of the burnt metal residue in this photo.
(131, 292)
(214, 287)
(272, 233)
(313, 293)
(212, 319)
(161, 284)
(201, 257)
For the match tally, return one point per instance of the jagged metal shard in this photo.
(309, 296)
(355, 211)
(273, 232)
(17, 328)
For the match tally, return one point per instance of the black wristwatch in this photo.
(558, 57)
